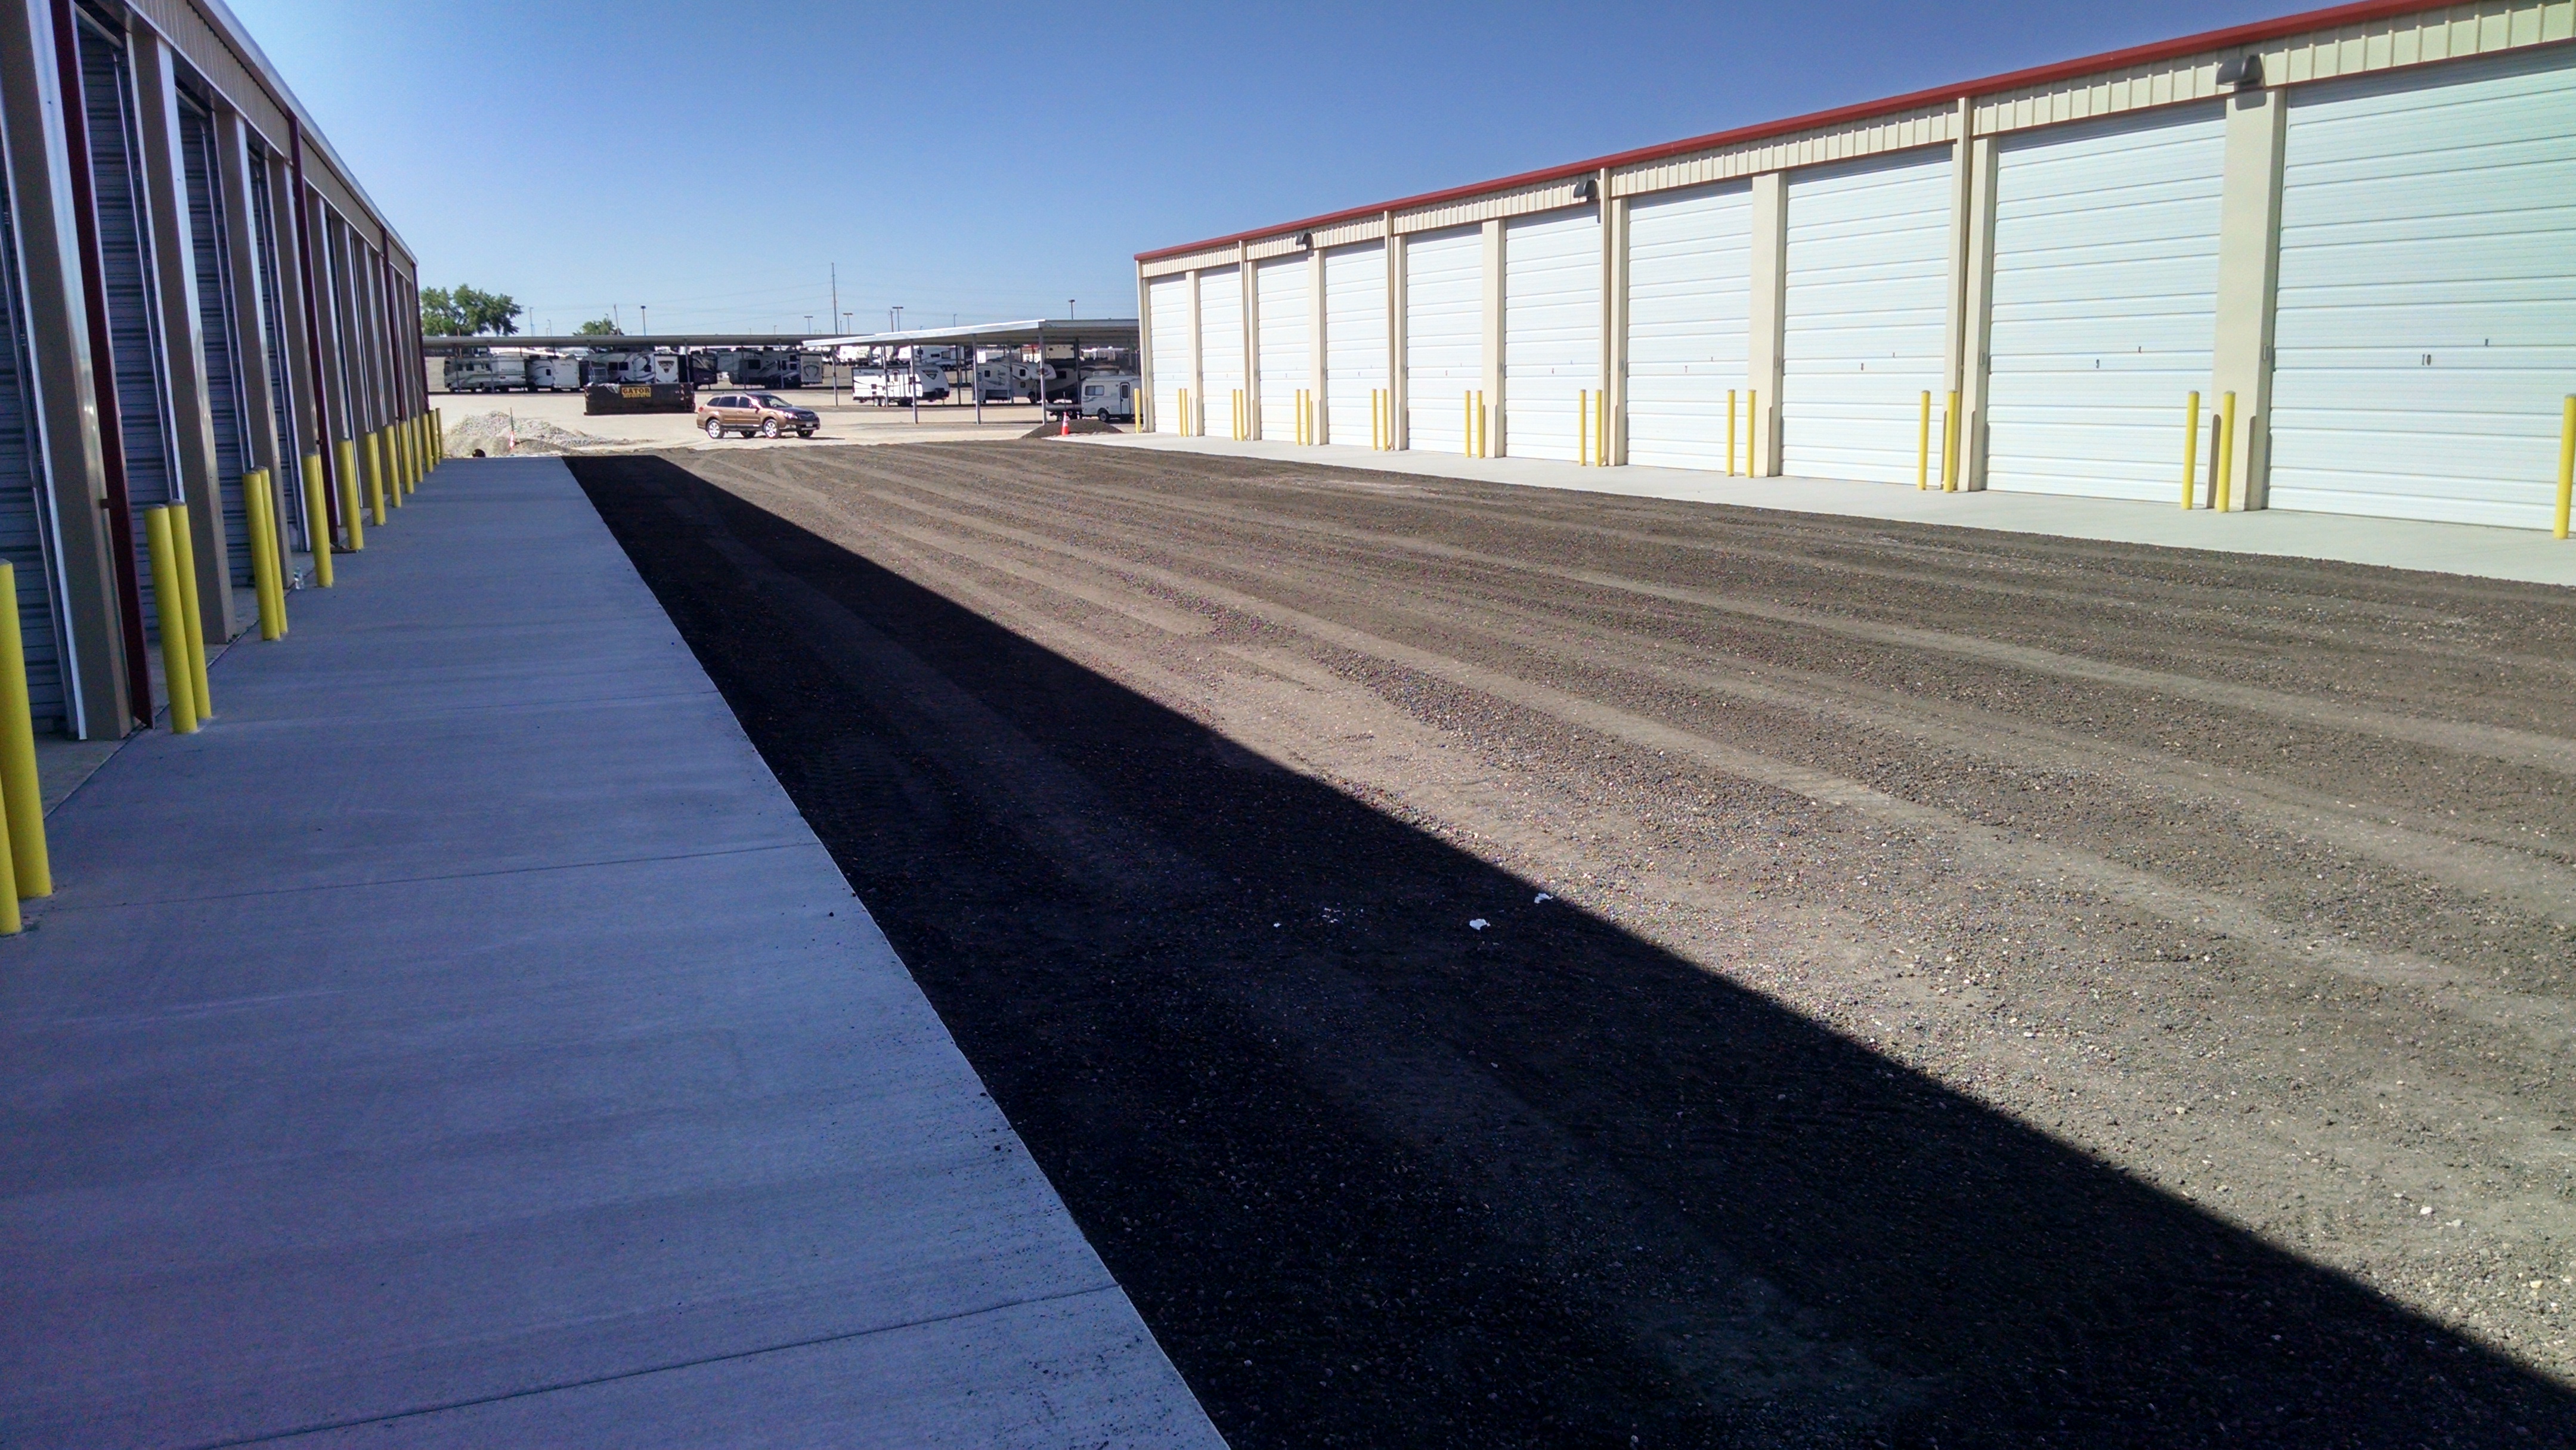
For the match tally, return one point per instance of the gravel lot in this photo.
(1496, 966)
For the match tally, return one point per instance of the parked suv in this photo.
(766, 414)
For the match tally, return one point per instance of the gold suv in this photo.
(766, 414)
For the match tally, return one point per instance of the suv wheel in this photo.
(715, 428)
(768, 427)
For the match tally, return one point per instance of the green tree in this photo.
(599, 327)
(440, 316)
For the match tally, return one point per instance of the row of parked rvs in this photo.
(889, 376)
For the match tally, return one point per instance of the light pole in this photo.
(895, 319)
(647, 314)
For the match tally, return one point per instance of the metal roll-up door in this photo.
(1551, 331)
(1690, 293)
(1167, 301)
(212, 250)
(1444, 335)
(27, 536)
(2105, 302)
(1355, 359)
(1220, 348)
(1287, 338)
(1865, 314)
(272, 325)
(2426, 329)
(133, 318)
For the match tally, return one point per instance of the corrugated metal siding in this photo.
(1167, 302)
(1372, 229)
(26, 507)
(1690, 291)
(1220, 347)
(1174, 266)
(134, 328)
(1520, 201)
(2105, 302)
(1899, 131)
(1551, 331)
(1865, 315)
(215, 314)
(1287, 325)
(1444, 335)
(2427, 322)
(1355, 339)
(178, 22)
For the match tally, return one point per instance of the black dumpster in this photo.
(639, 398)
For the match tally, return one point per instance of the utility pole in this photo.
(836, 289)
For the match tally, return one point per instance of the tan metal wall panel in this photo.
(1903, 131)
(1520, 201)
(1213, 257)
(1371, 230)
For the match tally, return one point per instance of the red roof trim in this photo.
(2241, 35)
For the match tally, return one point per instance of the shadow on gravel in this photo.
(1378, 1179)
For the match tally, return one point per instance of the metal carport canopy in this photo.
(1107, 330)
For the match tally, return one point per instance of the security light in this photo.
(2243, 73)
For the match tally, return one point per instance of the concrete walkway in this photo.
(463, 1041)
(2529, 555)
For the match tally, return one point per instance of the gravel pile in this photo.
(499, 435)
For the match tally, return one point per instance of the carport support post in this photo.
(1766, 315)
(2249, 251)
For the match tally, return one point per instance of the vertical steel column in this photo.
(309, 296)
(111, 438)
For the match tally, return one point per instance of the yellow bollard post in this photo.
(273, 513)
(2566, 466)
(12, 921)
(317, 520)
(2226, 500)
(350, 524)
(2190, 447)
(1923, 445)
(186, 548)
(174, 621)
(263, 557)
(374, 463)
(22, 795)
(1730, 432)
(412, 466)
(1950, 445)
(1752, 431)
(1483, 415)
(1583, 428)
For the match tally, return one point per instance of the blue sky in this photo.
(990, 161)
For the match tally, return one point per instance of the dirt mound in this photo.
(1054, 429)
(502, 435)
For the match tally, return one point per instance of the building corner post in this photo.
(1767, 311)
(2249, 270)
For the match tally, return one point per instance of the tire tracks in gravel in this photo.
(2547, 1021)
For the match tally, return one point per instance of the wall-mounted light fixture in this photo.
(2241, 73)
(1588, 189)
(1305, 241)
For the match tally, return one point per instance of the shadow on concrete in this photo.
(1375, 1178)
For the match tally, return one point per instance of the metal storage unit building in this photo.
(2348, 230)
(166, 207)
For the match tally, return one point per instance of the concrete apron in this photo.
(464, 1041)
(2528, 555)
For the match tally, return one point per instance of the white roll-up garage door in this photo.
(1866, 314)
(1551, 331)
(2427, 324)
(1444, 334)
(1167, 300)
(1221, 350)
(1286, 337)
(2105, 303)
(1690, 285)
(1355, 359)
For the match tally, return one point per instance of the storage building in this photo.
(2350, 234)
(196, 286)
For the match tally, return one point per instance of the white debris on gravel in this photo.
(1479, 924)
(501, 435)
